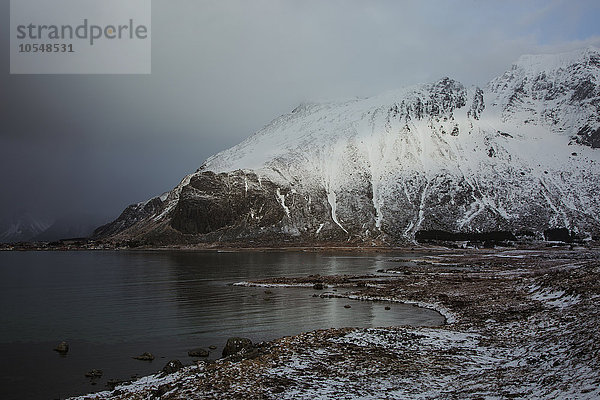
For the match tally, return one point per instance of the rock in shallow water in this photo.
(94, 373)
(199, 352)
(62, 348)
(145, 357)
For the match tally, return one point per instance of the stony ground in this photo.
(522, 324)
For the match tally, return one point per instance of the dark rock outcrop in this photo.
(214, 201)
(235, 345)
(589, 136)
(172, 367)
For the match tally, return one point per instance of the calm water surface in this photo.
(110, 306)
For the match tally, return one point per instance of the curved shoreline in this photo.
(449, 317)
(526, 326)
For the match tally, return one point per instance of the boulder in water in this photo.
(145, 357)
(62, 348)
(94, 373)
(199, 352)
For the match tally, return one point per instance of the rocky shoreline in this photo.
(520, 324)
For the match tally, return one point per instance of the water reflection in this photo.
(122, 296)
(112, 305)
(202, 280)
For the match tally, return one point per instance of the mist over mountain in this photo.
(518, 155)
(30, 227)
(22, 227)
(69, 227)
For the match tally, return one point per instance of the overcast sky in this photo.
(223, 69)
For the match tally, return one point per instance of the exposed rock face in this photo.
(130, 216)
(211, 202)
(517, 156)
(589, 136)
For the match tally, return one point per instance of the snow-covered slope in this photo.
(558, 92)
(22, 227)
(519, 155)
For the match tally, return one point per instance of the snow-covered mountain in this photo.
(519, 155)
(22, 227)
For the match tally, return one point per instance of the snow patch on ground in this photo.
(151, 382)
(554, 298)
(272, 285)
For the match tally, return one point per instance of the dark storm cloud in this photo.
(223, 69)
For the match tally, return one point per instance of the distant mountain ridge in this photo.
(27, 227)
(519, 155)
(22, 227)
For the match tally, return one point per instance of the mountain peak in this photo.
(22, 227)
(536, 63)
(559, 92)
(377, 170)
